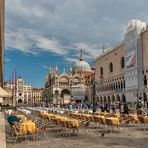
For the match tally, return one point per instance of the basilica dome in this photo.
(81, 65)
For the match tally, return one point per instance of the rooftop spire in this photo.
(81, 55)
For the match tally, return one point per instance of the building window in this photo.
(101, 71)
(111, 67)
(122, 62)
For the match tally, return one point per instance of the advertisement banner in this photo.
(131, 78)
(133, 58)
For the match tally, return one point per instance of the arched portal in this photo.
(101, 100)
(25, 101)
(145, 80)
(65, 96)
(109, 100)
(56, 97)
(144, 98)
(113, 98)
(118, 98)
(123, 98)
(20, 101)
(105, 99)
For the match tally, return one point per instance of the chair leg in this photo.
(37, 136)
(144, 128)
(26, 138)
(45, 135)
(67, 133)
(15, 139)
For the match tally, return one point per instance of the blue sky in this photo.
(43, 33)
(32, 68)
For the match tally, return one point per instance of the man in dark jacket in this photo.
(126, 109)
(13, 119)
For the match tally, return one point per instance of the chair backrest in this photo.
(108, 122)
(86, 124)
(102, 121)
(62, 123)
(91, 118)
(96, 119)
(19, 130)
(141, 119)
(10, 123)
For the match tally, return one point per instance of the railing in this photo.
(8, 107)
(67, 87)
(118, 90)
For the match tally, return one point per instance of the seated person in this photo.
(12, 119)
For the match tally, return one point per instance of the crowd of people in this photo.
(114, 107)
(104, 107)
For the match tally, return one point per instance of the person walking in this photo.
(139, 107)
(102, 107)
(147, 103)
(121, 108)
(126, 109)
(113, 108)
(107, 107)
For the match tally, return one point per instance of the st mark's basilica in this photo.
(72, 86)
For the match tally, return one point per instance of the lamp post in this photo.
(93, 83)
(136, 94)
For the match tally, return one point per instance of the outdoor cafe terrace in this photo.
(46, 124)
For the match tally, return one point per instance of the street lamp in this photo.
(136, 94)
(93, 83)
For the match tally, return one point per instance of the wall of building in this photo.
(1, 40)
(37, 95)
(144, 38)
(104, 61)
(112, 84)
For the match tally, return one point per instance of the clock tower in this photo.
(20, 91)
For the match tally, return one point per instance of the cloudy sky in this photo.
(40, 34)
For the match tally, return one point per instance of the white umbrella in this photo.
(3, 93)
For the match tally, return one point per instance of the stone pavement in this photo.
(2, 131)
(129, 137)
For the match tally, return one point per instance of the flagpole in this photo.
(15, 85)
(12, 85)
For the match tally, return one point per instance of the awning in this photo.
(3, 93)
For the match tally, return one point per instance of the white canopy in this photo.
(3, 93)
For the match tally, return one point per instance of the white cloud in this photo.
(17, 41)
(64, 26)
(7, 60)
(45, 66)
(71, 60)
(92, 50)
(28, 41)
(51, 45)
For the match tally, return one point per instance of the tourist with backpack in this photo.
(139, 107)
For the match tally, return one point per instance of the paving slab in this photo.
(2, 131)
